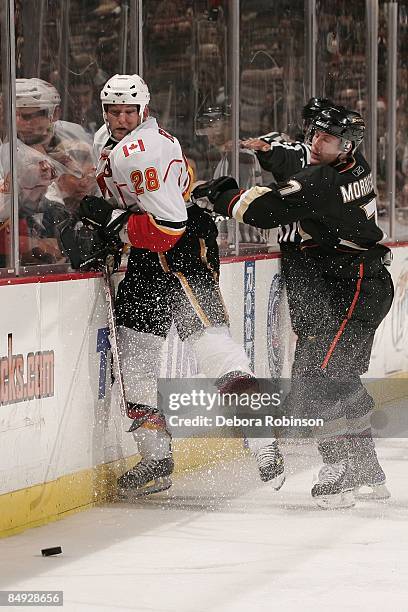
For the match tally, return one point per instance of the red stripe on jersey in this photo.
(346, 320)
(143, 234)
(233, 201)
(180, 161)
(187, 187)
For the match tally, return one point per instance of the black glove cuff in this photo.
(116, 224)
(213, 189)
(225, 202)
(95, 211)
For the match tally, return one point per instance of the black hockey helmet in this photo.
(347, 125)
(314, 107)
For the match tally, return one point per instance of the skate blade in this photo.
(344, 499)
(372, 492)
(160, 484)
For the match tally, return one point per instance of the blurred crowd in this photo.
(76, 46)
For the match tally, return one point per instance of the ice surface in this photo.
(222, 541)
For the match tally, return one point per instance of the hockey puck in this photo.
(48, 552)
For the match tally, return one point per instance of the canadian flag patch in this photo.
(133, 147)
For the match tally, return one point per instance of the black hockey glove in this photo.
(211, 191)
(99, 215)
(84, 247)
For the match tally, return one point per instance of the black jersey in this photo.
(283, 160)
(335, 206)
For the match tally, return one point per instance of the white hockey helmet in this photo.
(126, 89)
(36, 93)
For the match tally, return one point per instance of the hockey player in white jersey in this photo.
(172, 275)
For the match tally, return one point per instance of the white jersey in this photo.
(145, 171)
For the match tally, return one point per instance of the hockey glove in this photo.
(84, 247)
(213, 189)
(99, 215)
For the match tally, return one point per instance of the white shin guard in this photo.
(217, 353)
(140, 362)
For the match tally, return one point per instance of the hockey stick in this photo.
(113, 334)
(160, 483)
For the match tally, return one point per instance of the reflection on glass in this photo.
(271, 87)
(5, 179)
(382, 199)
(272, 67)
(401, 151)
(49, 151)
(341, 53)
(402, 125)
(186, 67)
(65, 51)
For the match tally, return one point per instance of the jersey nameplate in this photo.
(357, 189)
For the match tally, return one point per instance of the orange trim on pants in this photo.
(346, 320)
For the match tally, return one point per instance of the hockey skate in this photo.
(366, 474)
(271, 465)
(146, 477)
(333, 488)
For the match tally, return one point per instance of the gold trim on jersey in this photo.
(203, 252)
(193, 300)
(304, 235)
(165, 228)
(163, 262)
(240, 208)
(226, 313)
(191, 179)
(349, 164)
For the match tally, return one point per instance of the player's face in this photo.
(34, 125)
(77, 187)
(122, 119)
(325, 148)
(35, 180)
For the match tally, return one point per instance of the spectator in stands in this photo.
(215, 124)
(82, 96)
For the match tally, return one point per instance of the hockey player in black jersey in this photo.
(334, 201)
(283, 159)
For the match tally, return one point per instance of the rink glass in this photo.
(194, 55)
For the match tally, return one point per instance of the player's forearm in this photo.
(281, 162)
(258, 206)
